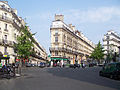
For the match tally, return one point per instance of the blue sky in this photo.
(92, 17)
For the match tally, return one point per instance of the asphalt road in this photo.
(60, 79)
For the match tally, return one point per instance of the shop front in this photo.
(59, 61)
(4, 59)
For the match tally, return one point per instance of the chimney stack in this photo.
(72, 27)
(59, 17)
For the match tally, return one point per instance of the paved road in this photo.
(60, 79)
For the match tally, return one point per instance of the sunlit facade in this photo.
(10, 24)
(67, 43)
(111, 42)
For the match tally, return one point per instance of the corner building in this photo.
(68, 45)
(10, 26)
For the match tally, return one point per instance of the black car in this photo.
(92, 64)
(77, 65)
(74, 66)
(111, 70)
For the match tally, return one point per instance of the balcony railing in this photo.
(6, 19)
(6, 42)
(37, 56)
(66, 50)
(16, 25)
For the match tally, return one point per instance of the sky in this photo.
(92, 17)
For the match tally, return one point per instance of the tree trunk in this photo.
(20, 67)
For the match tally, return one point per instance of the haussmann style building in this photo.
(10, 25)
(111, 43)
(68, 45)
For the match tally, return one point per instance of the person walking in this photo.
(83, 65)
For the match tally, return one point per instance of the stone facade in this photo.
(67, 43)
(10, 25)
(111, 42)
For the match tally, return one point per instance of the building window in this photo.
(5, 39)
(39, 53)
(56, 31)
(107, 37)
(56, 53)
(5, 15)
(6, 27)
(15, 36)
(56, 47)
(56, 39)
(5, 50)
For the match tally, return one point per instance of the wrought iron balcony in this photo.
(6, 19)
(37, 56)
(66, 50)
(16, 25)
(6, 42)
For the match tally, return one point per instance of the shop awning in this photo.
(58, 58)
(65, 59)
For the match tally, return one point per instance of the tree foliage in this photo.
(98, 52)
(24, 43)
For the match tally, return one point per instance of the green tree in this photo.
(98, 53)
(24, 46)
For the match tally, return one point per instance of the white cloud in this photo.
(93, 15)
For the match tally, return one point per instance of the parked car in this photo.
(66, 65)
(74, 65)
(100, 65)
(28, 65)
(111, 70)
(42, 65)
(33, 65)
(92, 64)
(77, 65)
(48, 64)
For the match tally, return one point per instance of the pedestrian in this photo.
(13, 68)
(4, 69)
(60, 64)
(80, 65)
(83, 65)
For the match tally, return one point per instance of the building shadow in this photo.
(89, 75)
